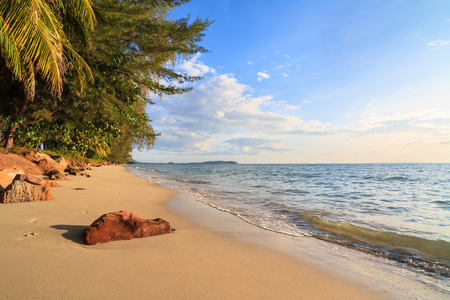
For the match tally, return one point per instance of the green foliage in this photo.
(131, 56)
(121, 149)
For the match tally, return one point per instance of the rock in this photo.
(21, 191)
(31, 156)
(28, 178)
(80, 189)
(36, 156)
(49, 183)
(12, 161)
(61, 162)
(46, 162)
(56, 175)
(49, 165)
(13, 172)
(122, 225)
(37, 181)
(74, 173)
(5, 180)
(7, 176)
(70, 169)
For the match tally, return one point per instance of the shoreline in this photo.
(376, 274)
(42, 256)
(366, 271)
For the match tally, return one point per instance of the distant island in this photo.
(217, 162)
(213, 162)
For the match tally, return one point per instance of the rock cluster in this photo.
(47, 163)
(123, 225)
(17, 183)
(28, 187)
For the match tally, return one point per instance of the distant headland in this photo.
(217, 162)
(213, 162)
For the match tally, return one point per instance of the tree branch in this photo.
(51, 113)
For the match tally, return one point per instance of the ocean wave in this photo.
(192, 181)
(401, 178)
(430, 255)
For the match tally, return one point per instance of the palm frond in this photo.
(33, 41)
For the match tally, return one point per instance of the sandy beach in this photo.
(42, 255)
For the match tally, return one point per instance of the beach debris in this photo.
(22, 191)
(80, 189)
(32, 234)
(123, 225)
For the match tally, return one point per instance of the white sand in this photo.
(42, 256)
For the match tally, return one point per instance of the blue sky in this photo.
(312, 82)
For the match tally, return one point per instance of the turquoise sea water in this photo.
(400, 212)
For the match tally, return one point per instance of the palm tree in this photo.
(34, 42)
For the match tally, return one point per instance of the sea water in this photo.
(397, 212)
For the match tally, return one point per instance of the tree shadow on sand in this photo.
(73, 232)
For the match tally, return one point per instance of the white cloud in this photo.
(430, 120)
(221, 106)
(285, 74)
(292, 107)
(194, 67)
(253, 146)
(284, 105)
(262, 75)
(250, 63)
(438, 43)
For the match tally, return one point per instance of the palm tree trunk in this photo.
(9, 137)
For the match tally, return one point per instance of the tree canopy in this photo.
(130, 57)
